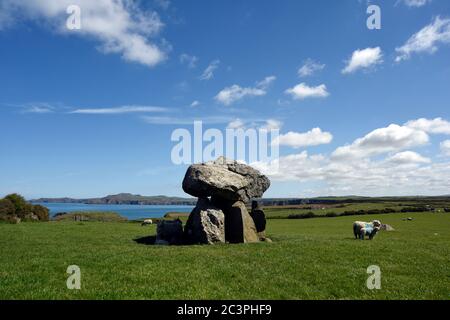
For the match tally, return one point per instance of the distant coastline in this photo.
(160, 200)
(123, 198)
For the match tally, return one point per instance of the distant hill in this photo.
(128, 198)
(123, 198)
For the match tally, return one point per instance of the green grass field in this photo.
(309, 259)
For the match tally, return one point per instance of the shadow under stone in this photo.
(149, 240)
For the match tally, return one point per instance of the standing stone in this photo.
(259, 218)
(239, 225)
(206, 224)
(169, 232)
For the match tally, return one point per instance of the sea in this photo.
(131, 212)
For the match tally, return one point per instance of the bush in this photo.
(331, 214)
(22, 207)
(6, 208)
(14, 208)
(41, 212)
(303, 216)
(415, 209)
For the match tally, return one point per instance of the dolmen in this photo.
(223, 187)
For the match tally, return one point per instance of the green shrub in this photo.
(6, 208)
(308, 215)
(41, 212)
(22, 207)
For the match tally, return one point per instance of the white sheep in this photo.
(361, 229)
(147, 222)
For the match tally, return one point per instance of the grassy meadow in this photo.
(309, 259)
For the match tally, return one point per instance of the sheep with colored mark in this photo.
(362, 229)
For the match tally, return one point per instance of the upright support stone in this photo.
(169, 232)
(259, 218)
(206, 224)
(239, 225)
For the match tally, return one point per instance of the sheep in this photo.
(147, 222)
(361, 229)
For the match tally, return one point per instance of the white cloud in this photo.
(37, 108)
(272, 124)
(445, 147)
(208, 73)
(303, 91)
(390, 139)
(374, 165)
(120, 110)
(229, 95)
(119, 25)
(190, 61)
(309, 68)
(415, 3)
(408, 157)
(236, 124)
(195, 103)
(363, 59)
(264, 84)
(313, 137)
(433, 126)
(361, 176)
(426, 40)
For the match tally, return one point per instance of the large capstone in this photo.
(206, 224)
(226, 179)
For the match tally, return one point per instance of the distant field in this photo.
(309, 259)
(323, 209)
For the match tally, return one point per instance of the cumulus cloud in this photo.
(363, 176)
(408, 157)
(229, 95)
(445, 147)
(303, 91)
(433, 126)
(363, 59)
(376, 164)
(382, 140)
(309, 68)
(426, 40)
(313, 137)
(208, 73)
(120, 26)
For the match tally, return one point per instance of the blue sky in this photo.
(90, 112)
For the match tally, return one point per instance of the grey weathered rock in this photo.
(225, 179)
(239, 225)
(387, 227)
(169, 232)
(206, 224)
